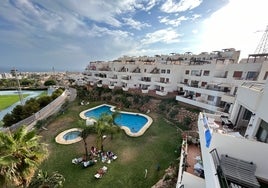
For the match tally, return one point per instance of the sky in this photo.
(65, 35)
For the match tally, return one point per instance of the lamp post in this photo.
(19, 88)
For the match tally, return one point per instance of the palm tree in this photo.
(87, 130)
(20, 154)
(105, 124)
(44, 180)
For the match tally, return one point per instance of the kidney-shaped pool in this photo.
(134, 124)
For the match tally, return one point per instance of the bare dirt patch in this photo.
(128, 155)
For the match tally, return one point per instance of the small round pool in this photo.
(69, 136)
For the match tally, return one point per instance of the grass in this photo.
(44, 93)
(8, 100)
(157, 146)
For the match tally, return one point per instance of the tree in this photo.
(50, 83)
(20, 154)
(44, 180)
(44, 100)
(87, 130)
(105, 124)
(8, 120)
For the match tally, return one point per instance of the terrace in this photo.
(228, 142)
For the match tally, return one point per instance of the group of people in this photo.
(90, 160)
(104, 156)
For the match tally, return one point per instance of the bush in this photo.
(173, 113)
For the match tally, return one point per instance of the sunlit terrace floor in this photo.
(193, 153)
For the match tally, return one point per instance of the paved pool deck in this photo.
(59, 138)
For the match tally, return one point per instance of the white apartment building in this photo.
(208, 80)
(234, 157)
(232, 92)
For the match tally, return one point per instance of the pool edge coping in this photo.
(59, 138)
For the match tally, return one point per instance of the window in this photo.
(197, 94)
(247, 115)
(163, 71)
(194, 83)
(237, 74)
(144, 70)
(206, 73)
(203, 84)
(196, 72)
(266, 75)
(187, 72)
(167, 80)
(210, 98)
(168, 71)
(262, 134)
(252, 75)
(185, 81)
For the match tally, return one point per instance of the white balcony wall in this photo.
(248, 98)
(208, 164)
(262, 108)
(245, 149)
(204, 91)
(228, 98)
(237, 147)
(198, 104)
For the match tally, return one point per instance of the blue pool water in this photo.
(133, 121)
(71, 135)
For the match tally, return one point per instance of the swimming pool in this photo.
(134, 124)
(71, 135)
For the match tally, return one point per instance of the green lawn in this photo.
(157, 146)
(8, 100)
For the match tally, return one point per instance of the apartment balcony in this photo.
(113, 78)
(218, 79)
(162, 83)
(145, 90)
(228, 98)
(144, 81)
(125, 88)
(125, 78)
(203, 90)
(203, 104)
(122, 69)
(243, 153)
(111, 86)
(136, 70)
(190, 164)
(155, 71)
(250, 94)
(161, 93)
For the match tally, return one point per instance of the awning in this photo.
(239, 172)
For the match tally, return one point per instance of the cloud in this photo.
(150, 5)
(135, 24)
(195, 31)
(172, 6)
(173, 22)
(195, 16)
(168, 36)
(234, 27)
